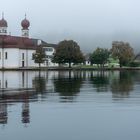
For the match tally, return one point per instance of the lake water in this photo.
(64, 105)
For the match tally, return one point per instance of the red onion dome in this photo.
(3, 23)
(25, 23)
(9, 40)
(28, 42)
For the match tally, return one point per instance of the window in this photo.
(49, 49)
(6, 55)
(22, 56)
(33, 54)
(0, 55)
(6, 84)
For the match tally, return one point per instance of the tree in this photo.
(122, 51)
(39, 56)
(99, 56)
(69, 52)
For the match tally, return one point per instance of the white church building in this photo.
(17, 51)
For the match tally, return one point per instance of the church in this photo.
(17, 51)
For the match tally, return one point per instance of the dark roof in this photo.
(7, 41)
(45, 44)
(51, 45)
(137, 57)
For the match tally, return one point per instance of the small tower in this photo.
(25, 25)
(3, 26)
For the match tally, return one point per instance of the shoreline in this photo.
(69, 69)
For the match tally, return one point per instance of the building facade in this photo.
(17, 51)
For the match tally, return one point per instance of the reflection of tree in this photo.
(39, 83)
(100, 81)
(68, 87)
(123, 85)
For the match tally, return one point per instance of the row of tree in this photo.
(120, 50)
(68, 51)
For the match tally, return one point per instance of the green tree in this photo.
(122, 51)
(99, 56)
(68, 51)
(39, 56)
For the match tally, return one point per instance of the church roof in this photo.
(49, 45)
(137, 57)
(7, 41)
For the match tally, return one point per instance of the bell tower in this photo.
(3, 26)
(25, 27)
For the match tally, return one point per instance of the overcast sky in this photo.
(91, 23)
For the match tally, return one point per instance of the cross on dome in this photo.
(3, 22)
(25, 23)
(2, 15)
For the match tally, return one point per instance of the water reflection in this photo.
(25, 110)
(7, 100)
(100, 80)
(122, 85)
(68, 85)
(25, 87)
(39, 84)
(3, 113)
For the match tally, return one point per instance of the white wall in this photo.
(30, 60)
(12, 60)
(3, 30)
(49, 56)
(15, 58)
(0, 57)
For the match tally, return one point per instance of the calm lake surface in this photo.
(64, 105)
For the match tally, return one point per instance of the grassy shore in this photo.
(67, 68)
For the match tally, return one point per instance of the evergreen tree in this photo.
(39, 56)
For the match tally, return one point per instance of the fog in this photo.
(92, 23)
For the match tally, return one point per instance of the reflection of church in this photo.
(19, 87)
(3, 113)
(17, 51)
(5, 101)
